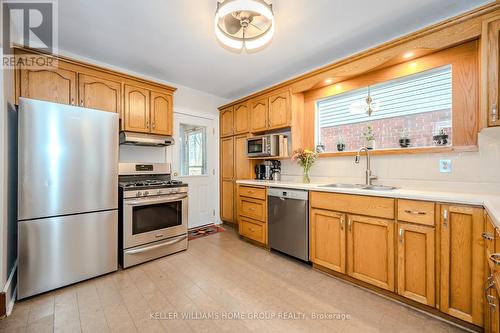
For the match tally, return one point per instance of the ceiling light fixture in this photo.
(328, 81)
(245, 24)
(408, 55)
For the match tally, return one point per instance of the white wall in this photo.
(471, 171)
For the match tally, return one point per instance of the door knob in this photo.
(176, 173)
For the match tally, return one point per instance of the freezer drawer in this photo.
(58, 251)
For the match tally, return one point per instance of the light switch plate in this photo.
(445, 166)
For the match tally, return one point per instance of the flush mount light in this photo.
(328, 81)
(245, 24)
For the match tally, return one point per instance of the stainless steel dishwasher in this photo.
(289, 222)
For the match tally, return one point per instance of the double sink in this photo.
(362, 187)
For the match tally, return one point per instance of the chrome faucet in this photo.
(369, 176)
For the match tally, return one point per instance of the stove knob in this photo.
(138, 194)
(146, 193)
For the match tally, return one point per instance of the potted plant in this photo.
(440, 139)
(369, 137)
(305, 158)
(404, 139)
(340, 144)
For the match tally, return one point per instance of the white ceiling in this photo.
(173, 40)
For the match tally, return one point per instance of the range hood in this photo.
(143, 139)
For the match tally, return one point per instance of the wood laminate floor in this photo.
(219, 275)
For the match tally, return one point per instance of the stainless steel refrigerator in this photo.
(67, 195)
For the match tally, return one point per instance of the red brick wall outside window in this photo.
(420, 128)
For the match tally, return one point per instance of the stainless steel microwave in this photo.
(263, 146)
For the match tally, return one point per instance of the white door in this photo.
(193, 162)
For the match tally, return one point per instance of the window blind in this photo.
(426, 91)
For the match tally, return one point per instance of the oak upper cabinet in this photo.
(241, 120)
(98, 93)
(56, 85)
(416, 274)
(161, 113)
(491, 52)
(327, 236)
(279, 110)
(462, 262)
(259, 114)
(137, 109)
(370, 250)
(242, 165)
(226, 122)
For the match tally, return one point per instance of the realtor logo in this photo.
(30, 24)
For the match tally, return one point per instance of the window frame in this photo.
(464, 60)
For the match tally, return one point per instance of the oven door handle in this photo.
(152, 247)
(152, 201)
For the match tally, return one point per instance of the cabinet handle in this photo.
(72, 101)
(495, 258)
(445, 218)
(490, 282)
(407, 211)
(342, 223)
(251, 209)
(494, 112)
(147, 124)
(349, 225)
(401, 235)
(81, 102)
(488, 236)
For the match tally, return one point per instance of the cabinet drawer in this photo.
(421, 212)
(252, 208)
(357, 204)
(253, 229)
(253, 192)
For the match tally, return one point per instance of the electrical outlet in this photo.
(445, 166)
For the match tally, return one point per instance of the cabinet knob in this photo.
(147, 124)
(495, 258)
(81, 102)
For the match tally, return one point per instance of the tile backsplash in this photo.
(471, 171)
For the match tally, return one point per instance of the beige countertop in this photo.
(490, 202)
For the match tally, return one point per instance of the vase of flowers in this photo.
(305, 158)
(369, 137)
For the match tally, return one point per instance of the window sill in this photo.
(403, 151)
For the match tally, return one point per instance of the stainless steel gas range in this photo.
(153, 212)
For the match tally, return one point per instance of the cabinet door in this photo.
(161, 113)
(279, 110)
(370, 250)
(226, 122)
(55, 85)
(416, 263)
(241, 118)
(226, 158)
(100, 94)
(259, 115)
(462, 263)
(327, 239)
(227, 201)
(136, 114)
(492, 311)
(493, 69)
(242, 165)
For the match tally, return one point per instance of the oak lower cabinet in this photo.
(327, 237)
(370, 250)
(416, 263)
(98, 93)
(56, 85)
(492, 309)
(227, 201)
(462, 262)
(252, 213)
